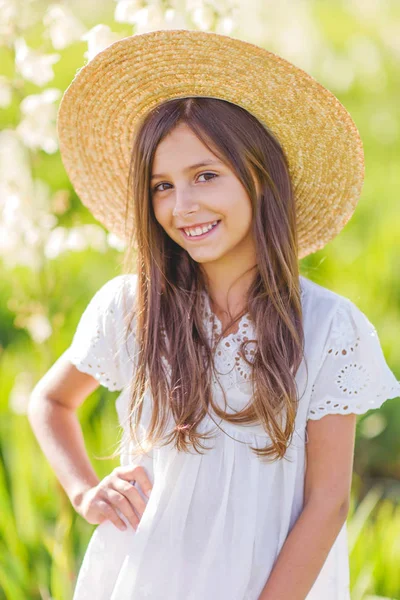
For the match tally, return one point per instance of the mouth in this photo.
(195, 238)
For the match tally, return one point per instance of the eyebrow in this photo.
(204, 163)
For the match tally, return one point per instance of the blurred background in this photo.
(54, 256)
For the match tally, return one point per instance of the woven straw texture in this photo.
(109, 96)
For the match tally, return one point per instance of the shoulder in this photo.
(115, 290)
(321, 299)
(103, 344)
(124, 283)
(113, 300)
(331, 315)
(328, 314)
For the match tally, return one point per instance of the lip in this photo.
(199, 224)
(199, 237)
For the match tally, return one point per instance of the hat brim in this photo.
(109, 96)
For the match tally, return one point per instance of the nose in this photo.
(184, 202)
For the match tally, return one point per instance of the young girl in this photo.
(221, 164)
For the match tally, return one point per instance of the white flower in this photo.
(95, 237)
(115, 242)
(39, 327)
(56, 243)
(63, 27)
(17, 15)
(84, 236)
(32, 64)
(174, 19)
(191, 5)
(8, 11)
(38, 127)
(20, 393)
(25, 217)
(15, 174)
(75, 239)
(203, 17)
(15, 248)
(225, 26)
(223, 6)
(125, 11)
(141, 18)
(98, 38)
(154, 18)
(5, 92)
(368, 9)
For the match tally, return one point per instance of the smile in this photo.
(195, 238)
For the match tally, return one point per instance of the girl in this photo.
(241, 379)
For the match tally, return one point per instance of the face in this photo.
(192, 187)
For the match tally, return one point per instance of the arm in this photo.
(330, 450)
(51, 414)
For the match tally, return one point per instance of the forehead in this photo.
(180, 141)
(181, 150)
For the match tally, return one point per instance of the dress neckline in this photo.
(245, 318)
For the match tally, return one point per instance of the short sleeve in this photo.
(353, 376)
(100, 345)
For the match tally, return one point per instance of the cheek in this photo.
(164, 217)
(240, 209)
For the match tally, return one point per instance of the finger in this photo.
(138, 473)
(120, 502)
(132, 494)
(107, 512)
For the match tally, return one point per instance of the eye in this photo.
(213, 174)
(156, 188)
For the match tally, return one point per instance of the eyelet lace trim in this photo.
(232, 370)
(354, 376)
(102, 316)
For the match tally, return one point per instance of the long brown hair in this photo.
(174, 360)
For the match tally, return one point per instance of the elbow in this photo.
(344, 508)
(36, 404)
(31, 405)
(32, 408)
(333, 506)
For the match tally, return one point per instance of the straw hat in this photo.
(108, 97)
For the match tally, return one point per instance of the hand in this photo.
(116, 492)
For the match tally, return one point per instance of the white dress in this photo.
(215, 523)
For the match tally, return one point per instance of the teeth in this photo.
(200, 230)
